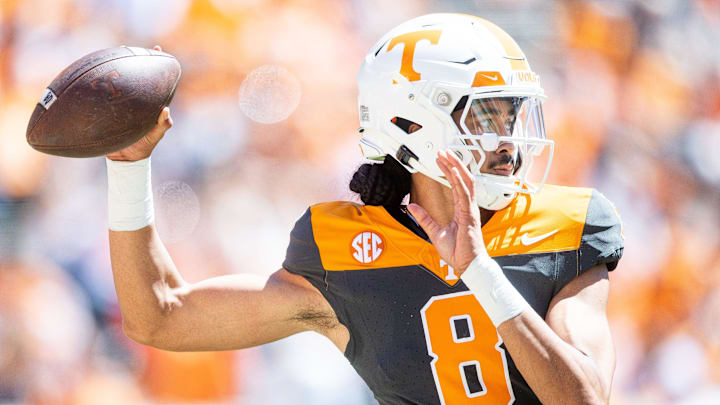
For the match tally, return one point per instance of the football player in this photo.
(490, 287)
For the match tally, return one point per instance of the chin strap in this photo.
(492, 197)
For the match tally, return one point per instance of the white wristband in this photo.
(130, 199)
(500, 300)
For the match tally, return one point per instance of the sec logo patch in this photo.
(366, 247)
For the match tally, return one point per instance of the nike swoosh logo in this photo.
(527, 240)
(493, 78)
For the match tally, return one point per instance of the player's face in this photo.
(492, 116)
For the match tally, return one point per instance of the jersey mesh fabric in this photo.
(387, 304)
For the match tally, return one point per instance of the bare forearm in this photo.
(555, 370)
(162, 310)
(145, 278)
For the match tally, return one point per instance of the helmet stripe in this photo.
(512, 49)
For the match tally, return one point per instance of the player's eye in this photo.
(508, 126)
(486, 125)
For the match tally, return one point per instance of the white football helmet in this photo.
(421, 70)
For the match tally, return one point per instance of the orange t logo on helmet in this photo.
(410, 40)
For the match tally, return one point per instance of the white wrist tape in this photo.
(130, 199)
(500, 300)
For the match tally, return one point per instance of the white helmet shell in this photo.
(420, 70)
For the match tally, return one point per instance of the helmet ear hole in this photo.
(406, 125)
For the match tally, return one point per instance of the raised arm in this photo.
(237, 311)
(568, 358)
(160, 309)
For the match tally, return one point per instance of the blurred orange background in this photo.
(634, 109)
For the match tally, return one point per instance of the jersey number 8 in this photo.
(468, 365)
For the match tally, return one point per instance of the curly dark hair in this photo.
(384, 184)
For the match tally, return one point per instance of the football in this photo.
(103, 102)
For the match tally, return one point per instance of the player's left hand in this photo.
(460, 241)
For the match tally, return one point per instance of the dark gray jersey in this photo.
(417, 335)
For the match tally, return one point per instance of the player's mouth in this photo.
(504, 166)
(504, 169)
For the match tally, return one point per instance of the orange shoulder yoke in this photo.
(549, 221)
(351, 236)
(354, 237)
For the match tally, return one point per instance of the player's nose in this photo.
(506, 147)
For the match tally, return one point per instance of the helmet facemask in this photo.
(512, 124)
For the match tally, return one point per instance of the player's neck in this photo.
(485, 215)
(437, 200)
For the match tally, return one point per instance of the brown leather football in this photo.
(103, 102)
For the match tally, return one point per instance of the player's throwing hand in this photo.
(460, 241)
(144, 147)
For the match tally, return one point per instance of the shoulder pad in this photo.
(351, 236)
(551, 220)
(602, 239)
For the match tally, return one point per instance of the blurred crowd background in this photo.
(265, 124)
